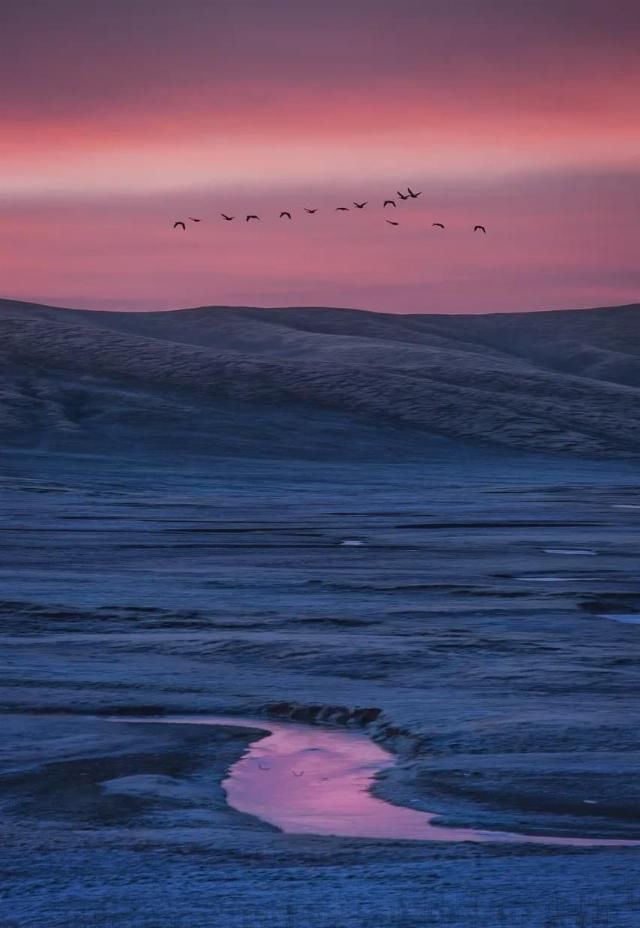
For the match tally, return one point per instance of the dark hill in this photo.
(314, 380)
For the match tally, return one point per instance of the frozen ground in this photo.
(470, 614)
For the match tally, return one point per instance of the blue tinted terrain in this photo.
(480, 601)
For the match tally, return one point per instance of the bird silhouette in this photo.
(438, 224)
(310, 211)
(179, 223)
(414, 196)
(284, 213)
(251, 216)
(228, 218)
(480, 229)
(403, 196)
(263, 766)
(297, 773)
(388, 203)
(360, 205)
(342, 209)
(392, 222)
(193, 219)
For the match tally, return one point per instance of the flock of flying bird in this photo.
(286, 214)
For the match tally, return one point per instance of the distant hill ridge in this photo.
(545, 381)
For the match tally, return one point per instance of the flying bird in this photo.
(342, 209)
(193, 219)
(251, 216)
(360, 205)
(228, 218)
(310, 211)
(403, 196)
(178, 224)
(284, 213)
(297, 773)
(392, 222)
(414, 196)
(263, 766)
(388, 203)
(438, 224)
(480, 229)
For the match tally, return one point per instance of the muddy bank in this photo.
(83, 772)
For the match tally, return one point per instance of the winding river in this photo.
(305, 779)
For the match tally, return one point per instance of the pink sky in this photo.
(122, 117)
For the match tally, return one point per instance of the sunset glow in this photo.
(120, 120)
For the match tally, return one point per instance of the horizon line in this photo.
(316, 308)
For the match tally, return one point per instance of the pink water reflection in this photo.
(310, 780)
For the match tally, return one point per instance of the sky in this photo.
(119, 118)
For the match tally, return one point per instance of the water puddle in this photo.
(625, 619)
(571, 551)
(310, 780)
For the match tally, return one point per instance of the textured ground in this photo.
(221, 585)
(234, 380)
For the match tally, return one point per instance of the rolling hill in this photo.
(315, 381)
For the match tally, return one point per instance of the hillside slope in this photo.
(240, 378)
